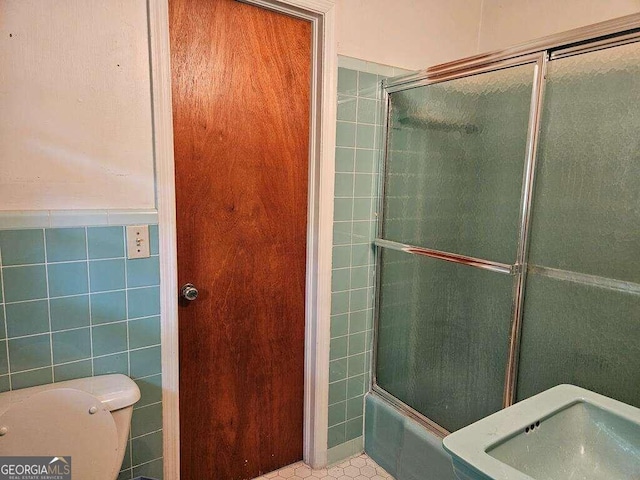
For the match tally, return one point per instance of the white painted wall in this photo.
(75, 105)
(415, 34)
(410, 34)
(508, 22)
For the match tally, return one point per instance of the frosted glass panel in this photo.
(581, 334)
(586, 212)
(582, 317)
(443, 333)
(455, 164)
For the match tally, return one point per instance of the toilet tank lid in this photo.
(116, 391)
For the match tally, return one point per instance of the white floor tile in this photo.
(357, 468)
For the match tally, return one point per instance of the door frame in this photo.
(321, 14)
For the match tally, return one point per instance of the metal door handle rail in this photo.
(449, 257)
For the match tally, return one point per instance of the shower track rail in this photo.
(602, 35)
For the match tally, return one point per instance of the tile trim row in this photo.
(21, 219)
(370, 67)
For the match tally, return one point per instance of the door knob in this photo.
(189, 292)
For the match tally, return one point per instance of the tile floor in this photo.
(356, 468)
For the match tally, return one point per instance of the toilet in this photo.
(87, 419)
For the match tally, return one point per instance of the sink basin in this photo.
(564, 433)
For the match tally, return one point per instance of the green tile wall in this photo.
(353, 260)
(71, 306)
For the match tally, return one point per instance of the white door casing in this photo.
(321, 14)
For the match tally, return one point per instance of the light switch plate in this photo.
(138, 241)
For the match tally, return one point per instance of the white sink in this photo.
(564, 433)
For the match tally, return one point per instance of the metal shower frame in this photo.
(539, 52)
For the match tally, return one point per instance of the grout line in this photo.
(145, 463)
(28, 370)
(351, 245)
(126, 314)
(61, 364)
(82, 327)
(145, 317)
(89, 358)
(148, 433)
(149, 376)
(90, 304)
(126, 299)
(358, 122)
(352, 289)
(342, 336)
(20, 372)
(346, 95)
(140, 288)
(364, 244)
(128, 471)
(355, 198)
(347, 419)
(6, 331)
(347, 356)
(39, 334)
(86, 293)
(359, 173)
(132, 350)
(145, 406)
(71, 261)
(145, 348)
(62, 331)
(44, 298)
(46, 272)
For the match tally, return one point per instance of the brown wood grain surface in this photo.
(241, 105)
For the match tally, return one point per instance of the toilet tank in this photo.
(115, 391)
(110, 397)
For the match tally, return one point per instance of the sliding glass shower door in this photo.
(509, 242)
(582, 305)
(453, 181)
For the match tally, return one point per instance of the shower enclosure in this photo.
(509, 237)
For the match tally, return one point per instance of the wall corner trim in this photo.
(165, 183)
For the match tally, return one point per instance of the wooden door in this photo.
(241, 105)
